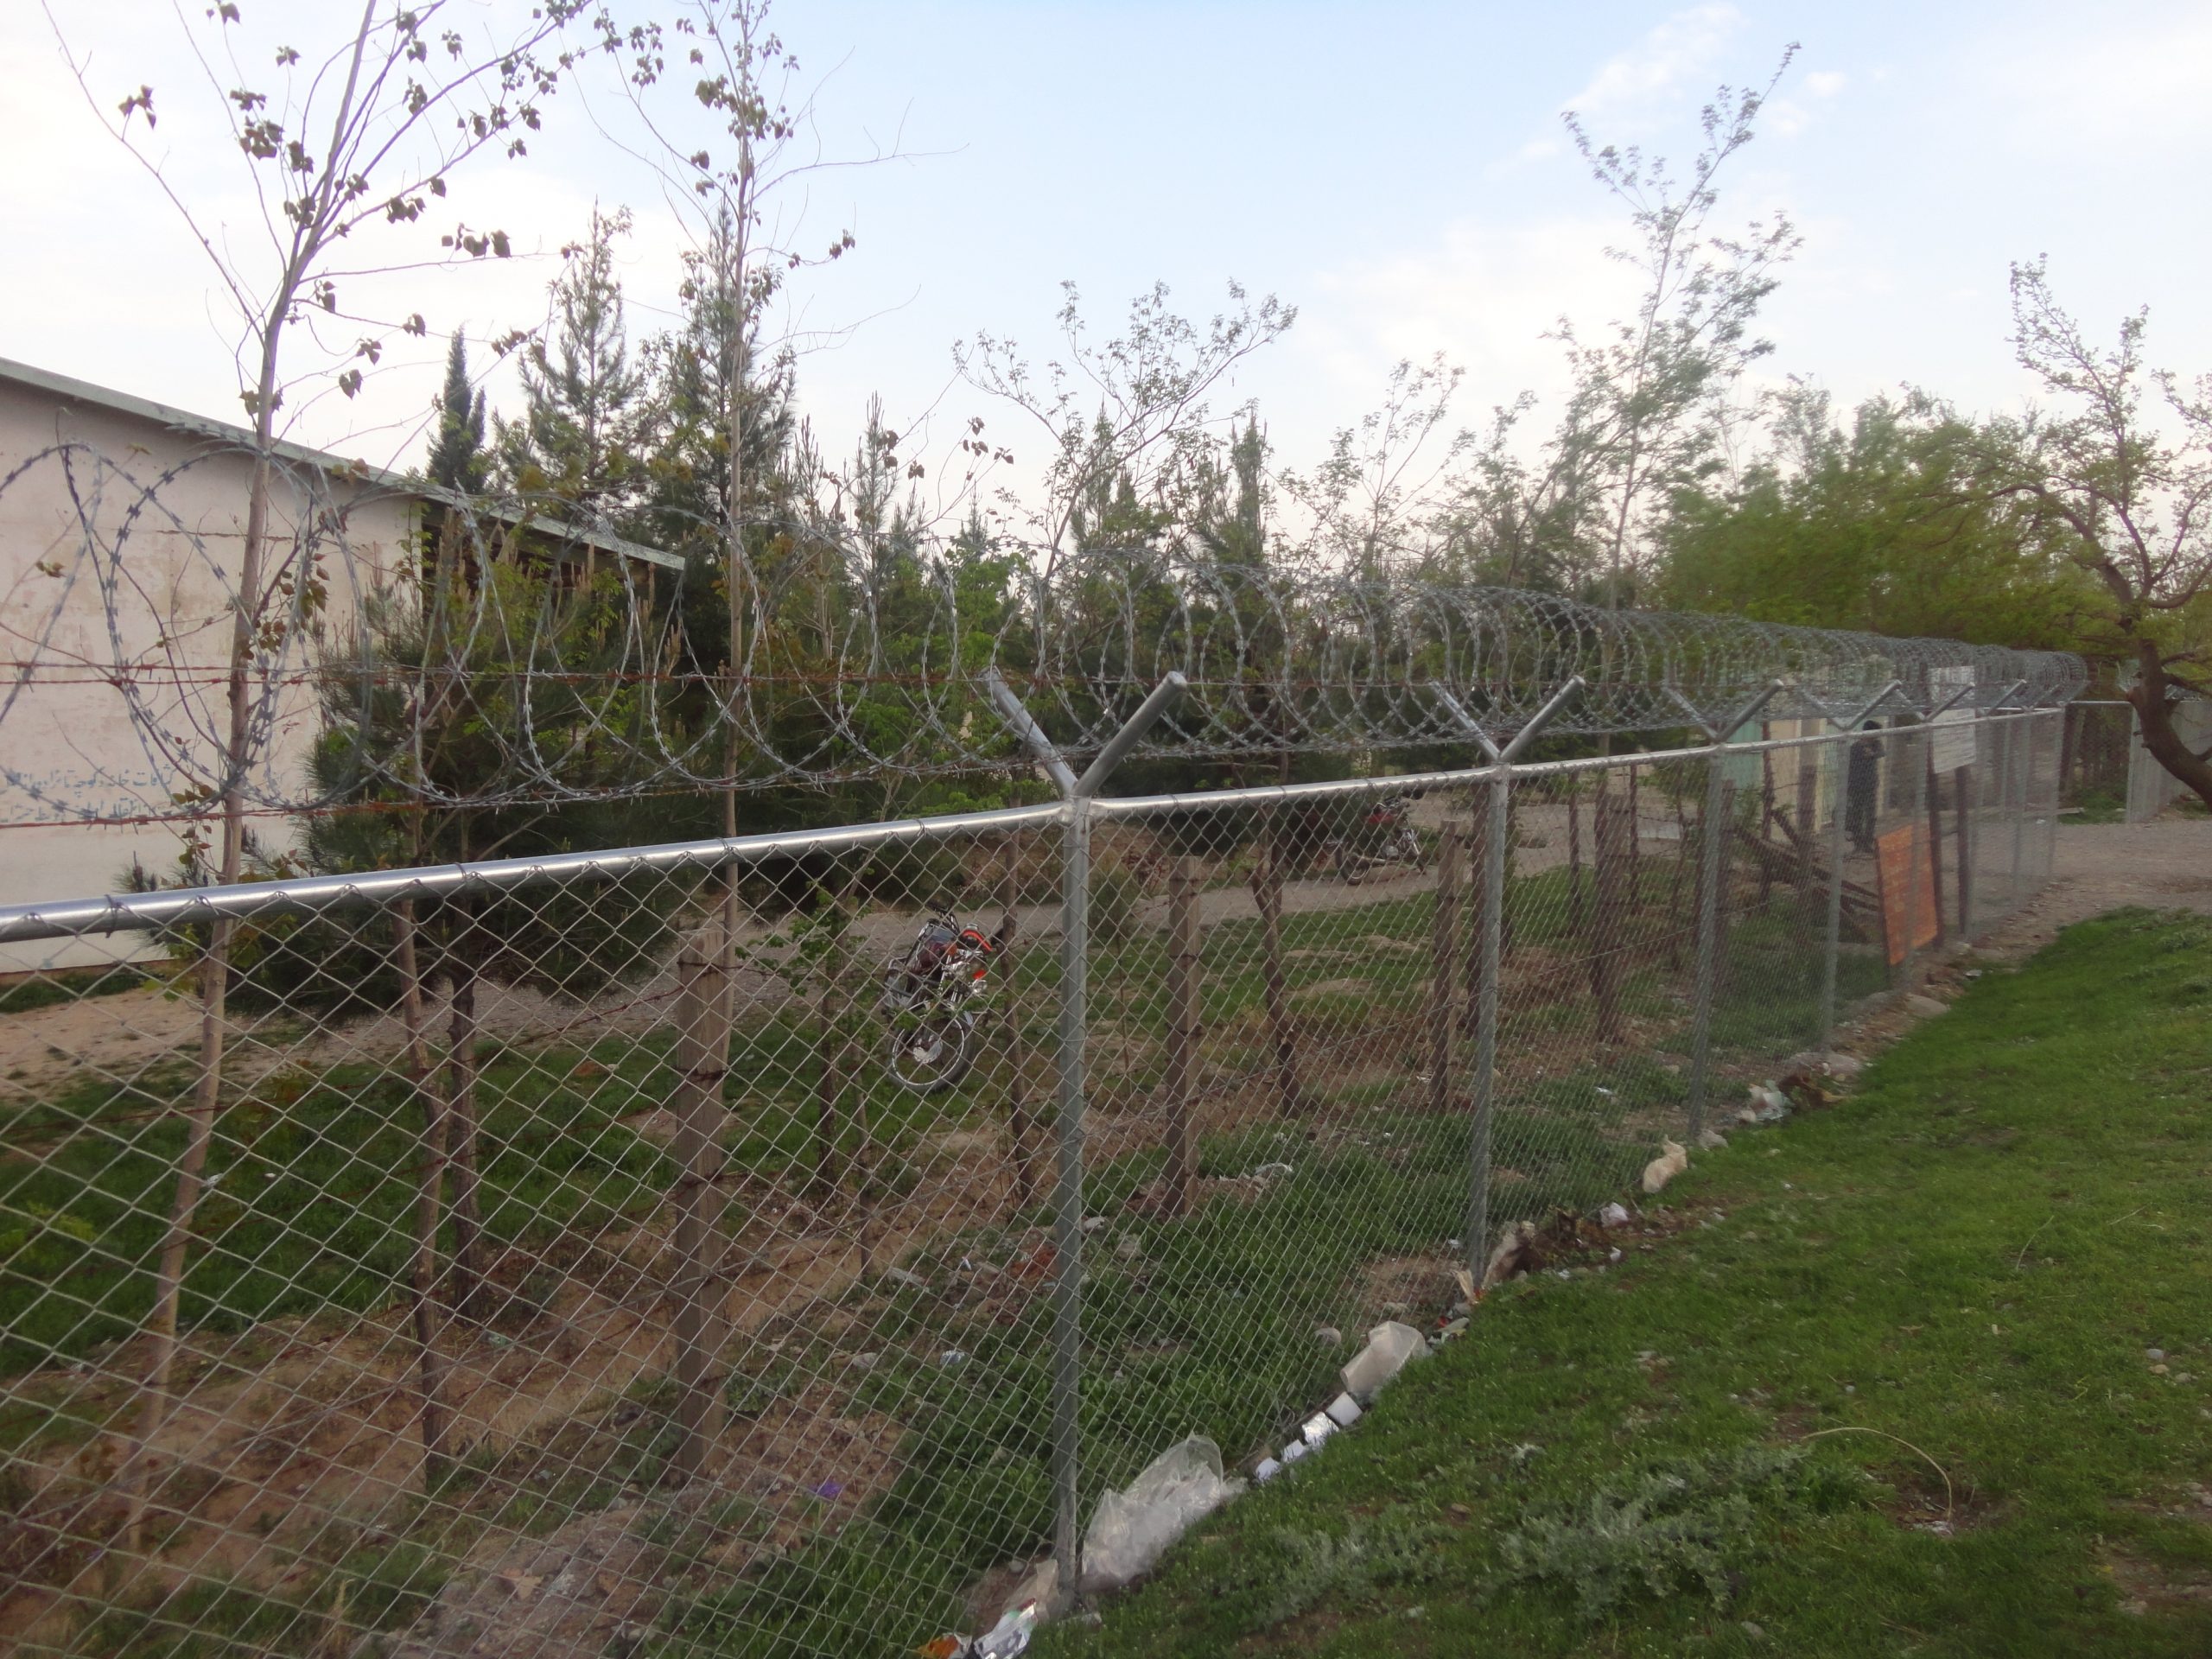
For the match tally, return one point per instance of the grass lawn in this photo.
(1973, 1255)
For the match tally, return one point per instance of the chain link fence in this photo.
(779, 1246)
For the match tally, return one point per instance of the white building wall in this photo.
(120, 542)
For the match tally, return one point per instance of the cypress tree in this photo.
(458, 459)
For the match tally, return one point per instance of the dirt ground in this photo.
(2165, 865)
(2095, 867)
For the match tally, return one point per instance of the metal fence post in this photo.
(1180, 1182)
(1445, 940)
(1474, 1238)
(1067, 1193)
(2058, 721)
(1714, 834)
(1067, 1189)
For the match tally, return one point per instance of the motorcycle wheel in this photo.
(932, 1051)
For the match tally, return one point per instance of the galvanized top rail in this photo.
(143, 911)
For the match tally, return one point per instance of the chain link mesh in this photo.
(658, 1254)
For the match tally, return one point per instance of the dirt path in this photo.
(2166, 864)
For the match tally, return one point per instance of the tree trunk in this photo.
(1477, 911)
(1810, 890)
(1020, 1125)
(1178, 1185)
(696, 1287)
(1574, 858)
(1445, 970)
(2155, 714)
(246, 625)
(1674, 887)
(460, 1103)
(1267, 893)
(831, 1000)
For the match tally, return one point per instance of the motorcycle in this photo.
(1386, 836)
(932, 997)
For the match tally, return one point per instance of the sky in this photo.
(1398, 172)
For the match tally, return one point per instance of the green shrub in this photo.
(1673, 1526)
(1117, 904)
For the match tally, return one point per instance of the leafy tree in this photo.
(1368, 502)
(1124, 424)
(1871, 529)
(458, 460)
(1648, 411)
(478, 702)
(343, 146)
(735, 71)
(2127, 492)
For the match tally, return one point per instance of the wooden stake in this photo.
(429, 1193)
(1267, 892)
(1609, 911)
(1445, 968)
(1020, 1126)
(701, 1063)
(1180, 1184)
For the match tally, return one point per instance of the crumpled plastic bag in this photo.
(1390, 1348)
(1132, 1528)
(1009, 1638)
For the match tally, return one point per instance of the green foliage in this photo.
(1290, 1570)
(311, 1189)
(1874, 529)
(1683, 1524)
(462, 690)
(1116, 897)
(325, 961)
(577, 446)
(336, 1609)
(457, 458)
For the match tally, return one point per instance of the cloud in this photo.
(1788, 116)
(1634, 82)
(1484, 293)
(1636, 88)
(2112, 88)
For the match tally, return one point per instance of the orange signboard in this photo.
(1908, 903)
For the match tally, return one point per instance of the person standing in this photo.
(1862, 783)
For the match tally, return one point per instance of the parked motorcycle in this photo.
(1385, 836)
(931, 996)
